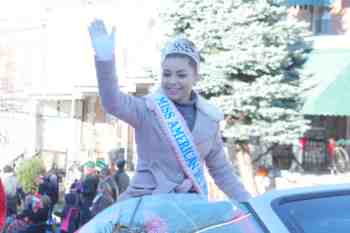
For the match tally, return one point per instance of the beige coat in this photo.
(157, 169)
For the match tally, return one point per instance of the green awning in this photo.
(331, 70)
(310, 2)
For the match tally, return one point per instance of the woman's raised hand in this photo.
(102, 42)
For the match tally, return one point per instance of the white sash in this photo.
(180, 138)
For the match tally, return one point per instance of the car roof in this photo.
(262, 205)
(268, 197)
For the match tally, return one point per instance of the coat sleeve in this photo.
(127, 108)
(222, 172)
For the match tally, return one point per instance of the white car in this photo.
(322, 209)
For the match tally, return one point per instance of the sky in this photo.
(53, 47)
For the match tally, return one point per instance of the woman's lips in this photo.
(172, 91)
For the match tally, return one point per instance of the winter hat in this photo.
(89, 167)
(89, 164)
(100, 165)
(181, 45)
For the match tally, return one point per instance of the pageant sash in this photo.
(180, 138)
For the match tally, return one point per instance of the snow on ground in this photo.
(290, 180)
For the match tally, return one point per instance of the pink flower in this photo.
(155, 224)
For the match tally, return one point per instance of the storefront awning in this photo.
(331, 70)
(310, 2)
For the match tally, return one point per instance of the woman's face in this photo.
(178, 78)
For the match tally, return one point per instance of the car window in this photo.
(327, 214)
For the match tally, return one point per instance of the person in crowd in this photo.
(49, 188)
(331, 144)
(120, 176)
(11, 186)
(89, 191)
(71, 212)
(298, 152)
(33, 217)
(107, 194)
(177, 131)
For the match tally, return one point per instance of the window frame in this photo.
(247, 207)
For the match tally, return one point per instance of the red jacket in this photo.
(2, 205)
(330, 149)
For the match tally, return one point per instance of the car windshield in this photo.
(172, 213)
(326, 214)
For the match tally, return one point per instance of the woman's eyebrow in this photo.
(181, 71)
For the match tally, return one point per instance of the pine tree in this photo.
(249, 69)
(252, 53)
